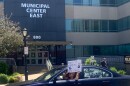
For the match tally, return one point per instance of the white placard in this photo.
(75, 66)
(26, 50)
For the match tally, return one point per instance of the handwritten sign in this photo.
(74, 66)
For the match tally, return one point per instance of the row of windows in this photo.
(96, 2)
(83, 51)
(90, 25)
(78, 25)
(124, 23)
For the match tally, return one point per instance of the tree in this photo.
(10, 36)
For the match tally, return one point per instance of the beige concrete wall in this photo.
(90, 12)
(123, 10)
(124, 37)
(92, 38)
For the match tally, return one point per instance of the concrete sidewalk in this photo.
(32, 76)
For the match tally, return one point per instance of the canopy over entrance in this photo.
(48, 42)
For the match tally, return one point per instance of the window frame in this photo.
(104, 70)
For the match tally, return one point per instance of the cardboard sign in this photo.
(74, 66)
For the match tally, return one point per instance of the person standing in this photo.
(104, 63)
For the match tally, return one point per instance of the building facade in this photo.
(66, 29)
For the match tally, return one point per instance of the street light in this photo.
(25, 57)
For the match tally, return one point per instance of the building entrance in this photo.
(37, 57)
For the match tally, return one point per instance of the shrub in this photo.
(15, 77)
(113, 69)
(3, 68)
(122, 72)
(12, 79)
(91, 61)
(15, 73)
(3, 79)
(88, 61)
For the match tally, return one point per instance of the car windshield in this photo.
(47, 75)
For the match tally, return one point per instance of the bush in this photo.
(91, 61)
(113, 69)
(88, 61)
(12, 79)
(122, 72)
(3, 79)
(15, 77)
(3, 68)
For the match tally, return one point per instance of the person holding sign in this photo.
(74, 68)
(71, 76)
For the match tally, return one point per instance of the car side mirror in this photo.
(60, 78)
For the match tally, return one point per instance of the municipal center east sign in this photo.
(35, 10)
(44, 19)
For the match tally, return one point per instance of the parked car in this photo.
(90, 76)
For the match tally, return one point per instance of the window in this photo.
(33, 55)
(69, 1)
(96, 2)
(112, 2)
(95, 73)
(78, 25)
(129, 22)
(86, 2)
(95, 26)
(87, 25)
(48, 75)
(104, 26)
(68, 25)
(112, 26)
(103, 2)
(78, 2)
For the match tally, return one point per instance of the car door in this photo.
(92, 76)
(59, 80)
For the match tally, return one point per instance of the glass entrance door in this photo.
(37, 58)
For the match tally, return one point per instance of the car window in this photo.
(61, 76)
(95, 73)
(65, 75)
(48, 75)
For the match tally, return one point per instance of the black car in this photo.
(90, 76)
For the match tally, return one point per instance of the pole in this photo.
(25, 61)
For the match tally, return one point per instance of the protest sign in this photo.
(74, 66)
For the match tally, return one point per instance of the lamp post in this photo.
(25, 57)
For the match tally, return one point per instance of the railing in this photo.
(49, 64)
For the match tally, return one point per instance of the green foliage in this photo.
(10, 36)
(15, 77)
(91, 60)
(3, 67)
(88, 61)
(122, 72)
(15, 74)
(12, 79)
(113, 69)
(3, 79)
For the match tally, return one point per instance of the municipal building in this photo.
(63, 30)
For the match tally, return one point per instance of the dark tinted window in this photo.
(95, 73)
